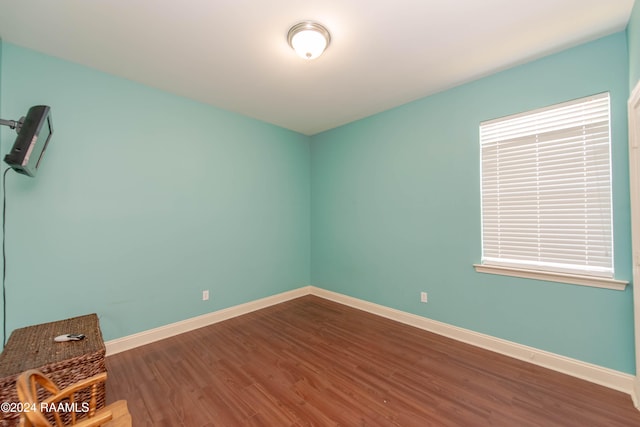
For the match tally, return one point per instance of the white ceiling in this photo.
(234, 54)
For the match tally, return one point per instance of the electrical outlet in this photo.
(423, 297)
(205, 295)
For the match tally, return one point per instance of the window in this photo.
(546, 193)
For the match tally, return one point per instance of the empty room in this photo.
(427, 216)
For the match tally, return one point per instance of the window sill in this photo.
(574, 279)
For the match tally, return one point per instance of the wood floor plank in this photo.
(313, 362)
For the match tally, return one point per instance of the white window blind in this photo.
(546, 189)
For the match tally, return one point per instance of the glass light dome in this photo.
(308, 39)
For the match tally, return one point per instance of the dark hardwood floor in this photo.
(310, 361)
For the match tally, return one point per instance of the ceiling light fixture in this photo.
(308, 39)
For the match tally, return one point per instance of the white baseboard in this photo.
(147, 337)
(597, 374)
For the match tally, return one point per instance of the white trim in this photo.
(574, 279)
(633, 108)
(596, 374)
(604, 376)
(156, 334)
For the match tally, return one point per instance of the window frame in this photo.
(516, 268)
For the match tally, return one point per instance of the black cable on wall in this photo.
(4, 257)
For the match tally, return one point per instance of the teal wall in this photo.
(396, 210)
(633, 36)
(145, 199)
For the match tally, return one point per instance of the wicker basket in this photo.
(65, 363)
